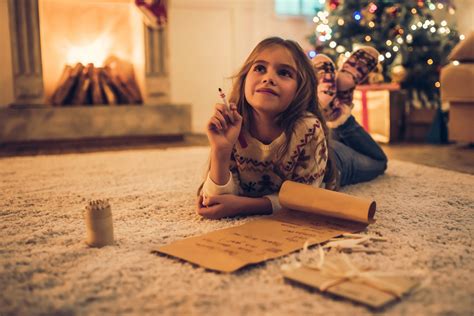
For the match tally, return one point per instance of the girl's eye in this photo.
(285, 73)
(259, 68)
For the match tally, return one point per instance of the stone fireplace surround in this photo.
(29, 118)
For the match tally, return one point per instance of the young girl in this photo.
(275, 131)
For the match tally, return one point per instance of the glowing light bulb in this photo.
(388, 42)
(347, 54)
(400, 40)
(413, 11)
(413, 27)
(312, 54)
(433, 29)
(381, 58)
(444, 23)
(340, 21)
(315, 19)
(437, 84)
(395, 48)
(429, 61)
(340, 49)
(332, 44)
(440, 6)
(368, 38)
(456, 62)
(388, 54)
(371, 24)
(462, 37)
(357, 16)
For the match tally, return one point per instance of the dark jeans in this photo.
(358, 157)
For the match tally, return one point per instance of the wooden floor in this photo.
(457, 157)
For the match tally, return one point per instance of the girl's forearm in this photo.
(255, 206)
(219, 170)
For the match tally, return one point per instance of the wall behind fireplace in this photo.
(209, 41)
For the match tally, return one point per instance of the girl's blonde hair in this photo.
(305, 99)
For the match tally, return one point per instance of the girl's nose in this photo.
(269, 80)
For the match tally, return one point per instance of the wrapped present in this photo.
(380, 109)
(338, 276)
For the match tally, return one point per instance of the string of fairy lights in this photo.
(323, 30)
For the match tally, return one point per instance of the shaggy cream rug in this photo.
(46, 268)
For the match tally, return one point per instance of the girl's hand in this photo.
(219, 206)
(223, 128)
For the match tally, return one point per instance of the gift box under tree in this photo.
(380, 109)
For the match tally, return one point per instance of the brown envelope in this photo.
(352, 290)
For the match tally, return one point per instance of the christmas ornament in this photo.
(397, 30)
(376, 75)
(393, 10)
(398, 73)
(333, 4)
(154, 12)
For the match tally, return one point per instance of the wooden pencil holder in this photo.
(99, 225)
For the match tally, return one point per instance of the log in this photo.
(123, 95)
(96, 89)
(82, 87)
(110, 97)
(64, 90)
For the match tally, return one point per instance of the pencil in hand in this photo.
(226, 103)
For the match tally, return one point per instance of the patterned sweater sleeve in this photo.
(210, 188)
(309, 152)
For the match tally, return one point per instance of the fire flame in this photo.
(92, 52)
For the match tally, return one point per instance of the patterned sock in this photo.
(326, 75)
(346, 97)
(354, 70)
(339, 114)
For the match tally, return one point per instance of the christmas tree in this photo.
(414, 45)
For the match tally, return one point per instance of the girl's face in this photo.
(271, 83)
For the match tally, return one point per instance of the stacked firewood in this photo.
(87, 85)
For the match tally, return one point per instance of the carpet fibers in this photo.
(427, 215)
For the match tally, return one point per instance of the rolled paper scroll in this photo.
(305, 198)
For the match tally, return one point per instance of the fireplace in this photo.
(47, 35)
(79, 38)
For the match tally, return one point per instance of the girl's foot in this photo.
(355, 70)
(326, 75)
(337, 113)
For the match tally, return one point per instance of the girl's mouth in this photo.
(267, 91)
